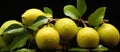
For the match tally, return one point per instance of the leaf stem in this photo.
(52, 20)
(83, 22)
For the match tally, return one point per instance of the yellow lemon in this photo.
(67, 28)
(30, 15)
(109, 35)
(47, 38)
(87, 37)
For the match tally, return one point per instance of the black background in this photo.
(10, 9)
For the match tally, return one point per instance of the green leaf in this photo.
(6, 25)
(5, 50)
(12, 33)
(49, 16)
(19, 41)
(100, 48)
(81, 6)
(41, 20)
(12, 26)
(78, 49)
(48, 10)
(16, 31)
(25, 50)
(96, 18)
(71, 11)
(2, 42)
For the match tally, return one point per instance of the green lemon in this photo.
(109, 35)
(87, 37)
(47, 38)
(30, 15)
(67, 28)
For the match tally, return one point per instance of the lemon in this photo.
(8, 37)
(30, 15)
(6, 24)
(47, 38)
(87, 37)
(67, 28)
(109, 35)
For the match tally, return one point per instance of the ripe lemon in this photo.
(30, 15)
(67, 28)
(47, 38)
(87, 37)
(109, 35)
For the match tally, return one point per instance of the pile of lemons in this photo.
(48, 37)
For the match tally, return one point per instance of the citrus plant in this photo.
(39, 31)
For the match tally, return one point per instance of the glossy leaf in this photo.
(96, 18)
(12, 26)
(100, 48)
(49, 16)
(12, 33)
(2, 42)
(25, 50)
(19, 41)
(41, 20)
(16, 31)
(5, 50)
(81, 6)
(71, 11)
(48, 10)
(79, 49)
